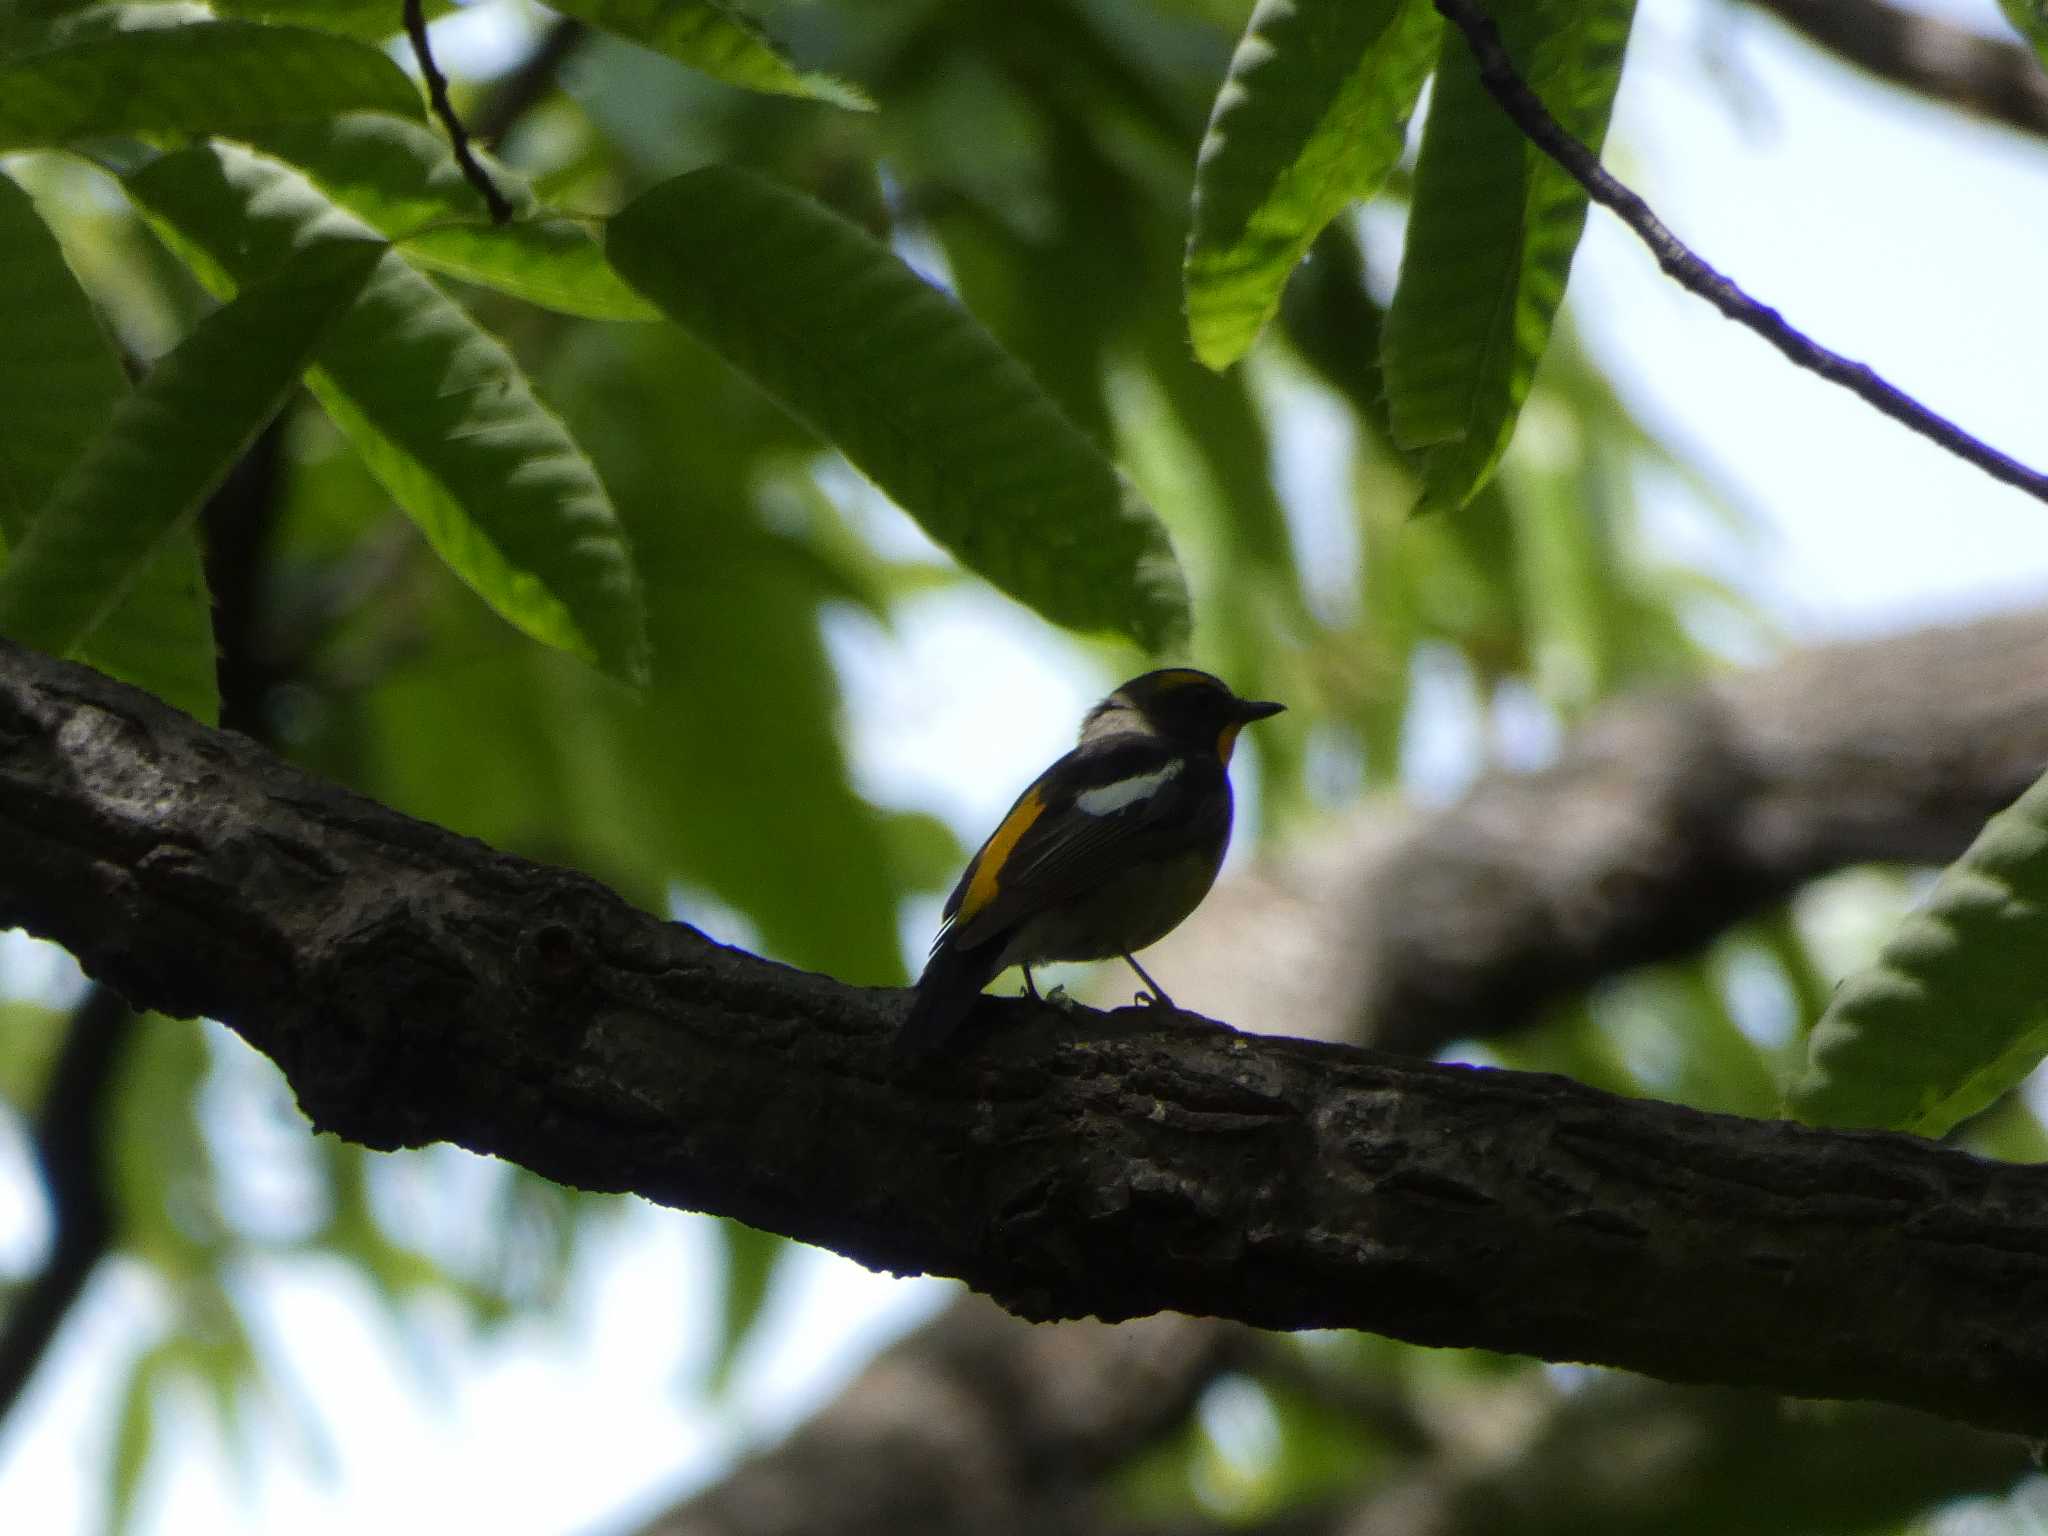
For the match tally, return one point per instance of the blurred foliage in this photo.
(542, 568)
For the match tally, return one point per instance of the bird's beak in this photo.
(1249, 710)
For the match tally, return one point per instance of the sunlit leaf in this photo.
(2030, 19)
(716, 40)
(207, 77)
(1312, 118)
(400, 178)
(59, 385)
(436, 406)
(1490, 240)
(370, 20)
(917, 396)
(168, 444)
(1954, 1012)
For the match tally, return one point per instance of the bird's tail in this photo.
(952, 980)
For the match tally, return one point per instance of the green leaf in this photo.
(371, 21)
(59, 384)
(751, 1259)
(749, 816)
(169, 444)
(436, 406)
(2030, 19)
(921, 399)
(715, 40)
(1490, 240)
(1312, 118)
(400, 178)
(1954, 1012)
(205, 77)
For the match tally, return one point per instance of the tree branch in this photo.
(1991, 78)
(458, 136)
(972, 1423)
(521, 89)
(70, 1130)
(1679, 262)
(416, 986)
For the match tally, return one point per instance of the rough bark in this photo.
(417, 986)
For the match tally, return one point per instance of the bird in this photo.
(1106, 853)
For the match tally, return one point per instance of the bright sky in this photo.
(1895, 232)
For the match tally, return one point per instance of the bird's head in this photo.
(1187, 707)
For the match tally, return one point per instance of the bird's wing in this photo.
(1089, 816)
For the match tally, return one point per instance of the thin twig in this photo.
(458, 136)
(516, 94)
(1679, 262)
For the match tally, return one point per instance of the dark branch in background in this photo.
(458, 136)
(1999, 80)
(415, 986)
(972, 1423)
(1668, 819)
(70, 1155)
(521, 90)
(71, 1132)
(1690, 272)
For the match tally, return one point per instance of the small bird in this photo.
(1106, 853)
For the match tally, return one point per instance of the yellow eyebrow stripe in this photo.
(988, 867)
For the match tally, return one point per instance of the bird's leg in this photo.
(1156, 998)
(1057, 996)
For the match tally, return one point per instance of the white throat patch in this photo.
(1106, 798)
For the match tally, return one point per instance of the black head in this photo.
(1190, 708)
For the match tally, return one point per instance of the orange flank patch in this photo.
(1226, 740)
(988, 866)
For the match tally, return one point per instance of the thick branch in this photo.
(1997, 79)
(416, 986)
(1686, 268)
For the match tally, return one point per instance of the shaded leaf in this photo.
(751, 816)
(400, 178)
(435, 405)
(911, 390)
(204, 77)
(751, 1258)
(1954, 1013)
(1312, 118)
(59, 385)
(1490, 240)
(169, 444)
(715, 40)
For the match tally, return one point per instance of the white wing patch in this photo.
(1107, 798)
